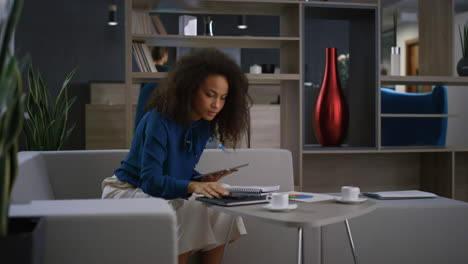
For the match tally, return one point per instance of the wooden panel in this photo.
(363, 72)
(461, 176)
(112, 93)
(420, 80)
(289, 95)
(232, 7)
(105, 126)
(128, 115)
(289, 22)
(435, 37)
(436, 173)
(266, 78)
(371, 172)
(215, 41)
(265, 126)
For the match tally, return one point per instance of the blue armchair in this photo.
(424, 131)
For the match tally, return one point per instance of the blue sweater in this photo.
(163, 155)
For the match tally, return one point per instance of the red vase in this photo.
(331, 110)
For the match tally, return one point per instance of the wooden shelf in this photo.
(252, 7)
(245, 7)
(139, 77)
(402, 149)
(421, 80)
(216, 41)
(422, 115)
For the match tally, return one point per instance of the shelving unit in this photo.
(139, 77)
(421, 80)
(306, 27)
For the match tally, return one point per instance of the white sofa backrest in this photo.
(32, 182)
(266, 166)
(46, 175)
(79, 174)
(50, 175)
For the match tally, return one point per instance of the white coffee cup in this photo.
(350, 193)
(278, 200)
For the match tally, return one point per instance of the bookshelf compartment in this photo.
(461, 176)
(369, 171)
(352, 31)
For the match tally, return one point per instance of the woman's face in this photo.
(210, 97)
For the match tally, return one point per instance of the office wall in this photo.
(60, 35)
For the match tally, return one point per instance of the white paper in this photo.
(251, 188)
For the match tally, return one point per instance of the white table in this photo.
(314, 214)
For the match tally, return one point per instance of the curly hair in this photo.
(175, 95)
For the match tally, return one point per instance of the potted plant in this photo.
(46, 127)
(462, 65)
(16, 234)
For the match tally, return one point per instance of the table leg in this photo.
(226, 244)
(299, 246)
(350, 237)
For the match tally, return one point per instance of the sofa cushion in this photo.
(79, 174)
(32, 182)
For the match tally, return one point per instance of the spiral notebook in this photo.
(251, 189)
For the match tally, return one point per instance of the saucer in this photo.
(359, 200)
(279, 209)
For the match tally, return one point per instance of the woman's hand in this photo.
(208, 189)
(217, 176)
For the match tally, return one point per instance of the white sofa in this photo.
(64, 187)
(81, 228)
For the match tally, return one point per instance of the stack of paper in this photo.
(252, 189)
(395, 195)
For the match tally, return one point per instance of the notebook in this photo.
(396, 195)
(251, 189)
(233, 201)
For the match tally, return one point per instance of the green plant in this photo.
(47, 123)
(464, 39)
(11, 111)
(343, 69)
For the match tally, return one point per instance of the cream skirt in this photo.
(198, 227)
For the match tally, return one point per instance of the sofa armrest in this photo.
(105, 231)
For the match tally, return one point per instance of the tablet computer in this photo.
(218, 171)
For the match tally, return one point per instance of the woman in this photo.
(205, 95)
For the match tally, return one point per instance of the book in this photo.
(396, 195)
(137, 57)
(143, 57)
(142, 24)
(251, 189)
(158, 25)
(148, 58)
